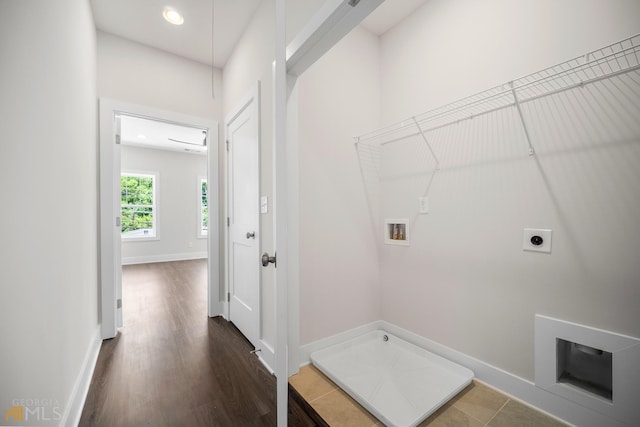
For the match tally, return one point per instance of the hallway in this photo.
(172, 365)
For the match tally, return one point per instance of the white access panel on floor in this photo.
(398, 382)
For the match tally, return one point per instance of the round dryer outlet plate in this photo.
(537, 240)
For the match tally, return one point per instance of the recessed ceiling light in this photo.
(141, 136)
(173, 16)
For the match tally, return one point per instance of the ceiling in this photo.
(142, 22)
(148, 133)
(390, 13)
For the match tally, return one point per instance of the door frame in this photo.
(110, 260)
(332, 21)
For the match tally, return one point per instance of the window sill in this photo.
(139, 239)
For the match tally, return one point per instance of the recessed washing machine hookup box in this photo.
(396, 232)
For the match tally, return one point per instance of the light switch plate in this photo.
(537, 240)
(264, 204)
(423, 203)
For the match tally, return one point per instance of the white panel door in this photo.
(243, 213)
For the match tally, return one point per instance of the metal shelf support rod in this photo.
(426, 141)
(524, 124)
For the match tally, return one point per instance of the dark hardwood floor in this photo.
(171, 365)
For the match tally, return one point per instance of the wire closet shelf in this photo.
(618, 58)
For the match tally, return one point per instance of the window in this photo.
(138, 205)
(203, 207)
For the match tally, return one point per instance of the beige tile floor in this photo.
(477, 405)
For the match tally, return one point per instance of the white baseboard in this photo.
(163, 258)
(75, 404)
(519, 388)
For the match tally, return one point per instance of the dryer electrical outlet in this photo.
(537, 240)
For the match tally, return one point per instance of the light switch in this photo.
(264, 204)
(423, 203)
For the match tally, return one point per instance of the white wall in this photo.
(138, 74)
(465, 281)
(465, 47)
(253, 55)
(339, 97)
(178, 202)
(48, 277)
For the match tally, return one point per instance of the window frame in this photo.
(155, 176)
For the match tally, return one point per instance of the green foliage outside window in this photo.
(204, 205)
(137, 204)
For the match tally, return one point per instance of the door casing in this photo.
(109, 251)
